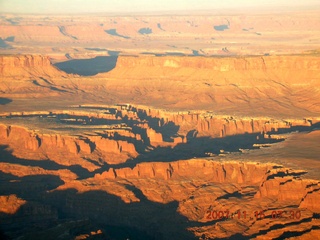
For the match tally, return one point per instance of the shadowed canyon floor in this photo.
(160, 127)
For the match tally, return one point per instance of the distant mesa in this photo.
(88, 67)
(145, 31)
(221, 27)
(113, 32)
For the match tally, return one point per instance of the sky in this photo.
(83, 6)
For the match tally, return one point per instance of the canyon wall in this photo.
(265, 85)
(124, 131)
(272, 181)
(200, 186)
(283, 68)
(202, 123)
(71, 179)
(245, 86)
(64, 149)
(222, 64)
(25, 66)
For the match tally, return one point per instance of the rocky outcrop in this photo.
(113, 146)
(10, 204)
(154, 137)
(311, 198)
(231, 172)
(201, 186)
(175, 66)
(129, 129)
(221, 64)
(210, 124)
(285, 185)
(24, 66)
(233, 85)
(29, 144)
(22, 171)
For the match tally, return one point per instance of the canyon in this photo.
(160, 127)
(145, 162)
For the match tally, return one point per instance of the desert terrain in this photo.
(202, 125)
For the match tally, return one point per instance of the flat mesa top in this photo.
(199, 33)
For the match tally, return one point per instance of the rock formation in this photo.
(213, 138)
(27, 66)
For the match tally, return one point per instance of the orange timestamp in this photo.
(260, 214)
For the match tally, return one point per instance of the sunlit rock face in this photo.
(160, 127)
(23, 66)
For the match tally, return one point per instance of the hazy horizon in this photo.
(83, 6)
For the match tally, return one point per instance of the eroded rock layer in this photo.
(122, 167)
(277, 86)
(254, 199)
(117, 134)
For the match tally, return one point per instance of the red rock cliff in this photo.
(26, 66)
(199, 67)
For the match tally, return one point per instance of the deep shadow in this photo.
(283, 226)
(160, 27)
(145, 31)
(180, 54)
(167, 129)
(88, 67)
(10, 39)
(96, 49)
(113, 32)
(283, 174)
(296, 129)
(139, 220)
(236, 236)
(113, 53)
(294, 234)
(4, 45)
(197, 147)
(230, 195)
(7, 157)
(47, 209)
(62, 29)
(221, 27)
(35, 82)
(4, 101)
(196, 53)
